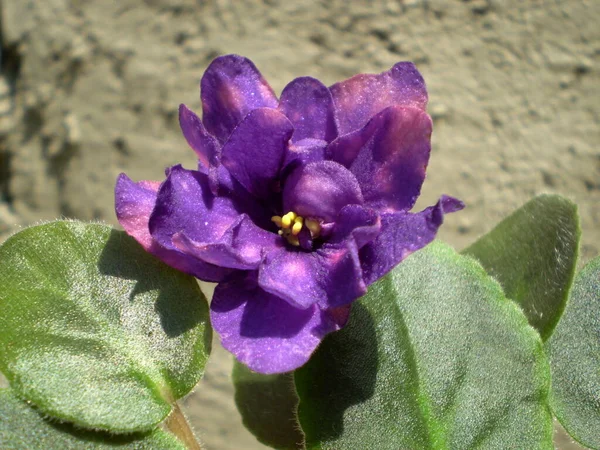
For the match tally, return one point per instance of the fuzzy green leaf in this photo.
(574, 352)
(533, 254)
(22, 427)
(433, 357)
(268, 406)
(96, 331)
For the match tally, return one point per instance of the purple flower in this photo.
(298, 204)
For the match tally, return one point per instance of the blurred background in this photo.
(90, 88)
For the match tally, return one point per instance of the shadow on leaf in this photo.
(123, 257)
(342, 373)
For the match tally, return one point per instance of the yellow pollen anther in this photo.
(296, 228)
(286, 221)
(276, 220)
(280, 232)
(313, 226)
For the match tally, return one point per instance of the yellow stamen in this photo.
(296, 228)
(293, 240)
(280, 232)
(313, 226)
(276, 220)
(286, 221)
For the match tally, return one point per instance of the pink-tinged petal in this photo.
(309, 105)
(320, 190)
(255, 151)
(403, 233)
(134, 203)
(356, 221)
(205, 146)
(388, 156)
(241, 247)
(265, 332)
(231, 87)
(362, 96)
(330, 276)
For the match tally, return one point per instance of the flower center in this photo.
(291, 225)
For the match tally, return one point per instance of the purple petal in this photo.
(205, 146)
(134, 203)
(388, 156)
(187, 218)
(255, 151)
(185, 205)
(265, 332)
(309, 105)
(362, 224)
(330, 276)
(231, 87)
(403, 233)
(362, 96)
(305, 151)
(320, 190)
(241, 247)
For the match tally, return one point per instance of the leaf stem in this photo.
(177, 424)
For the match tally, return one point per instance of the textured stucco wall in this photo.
(90, 88)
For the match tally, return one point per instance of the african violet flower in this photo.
(298, 204)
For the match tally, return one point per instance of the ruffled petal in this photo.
(231, 87)
(362, 96)
(309, 105)
(356, 221)
(255, 151)
(329, 277)
(185, 205)
(320, 190)
(189, 219)
(134, 203)
(205, 146)
(265, 332)
(241, 247)
(388, 157)
(403, 233)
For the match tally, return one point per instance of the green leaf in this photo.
(433, 357)
(96, 331)
(21, 427)
(574, 352)
(268, 406)
(533, 254)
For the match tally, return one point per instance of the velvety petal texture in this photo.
(363, 96)
(309, 105)
(320, 189)
(134, 203)
(256, 149)
(265, 332)
(231, 88)
(403, 233)
(297, 206)
(388, 157)
(205, 145)
(330, 276)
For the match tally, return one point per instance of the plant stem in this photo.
(177, 424)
